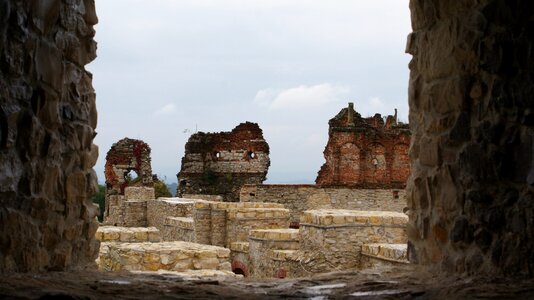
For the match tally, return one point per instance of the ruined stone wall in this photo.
(472, 117)
(124, 156)
(365, 152)
(130, 209)
(220, 163)
(333, 239)
(47, 125)
(302, 197)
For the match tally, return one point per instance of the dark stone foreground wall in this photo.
(472, 116)
(47, 125)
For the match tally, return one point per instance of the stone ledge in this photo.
(239, 247)
(180, 222)
(275, 234)
(192, 275)
(257, 213)
(343, 217)
(240, 205)
(390, 252)
(127, 234)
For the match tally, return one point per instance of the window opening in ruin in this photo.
(217, 155)
(251, 154)
(132, 178)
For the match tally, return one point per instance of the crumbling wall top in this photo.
(220, 163)
(124, 156)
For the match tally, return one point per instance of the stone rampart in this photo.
(332, 239)
(302, 197)
(172, 256)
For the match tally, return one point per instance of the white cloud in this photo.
(166, 109)
(302, 96)
(376, 103)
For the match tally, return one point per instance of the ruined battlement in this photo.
(365, 152)
(220, 163)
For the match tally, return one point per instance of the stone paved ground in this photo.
(406, 283)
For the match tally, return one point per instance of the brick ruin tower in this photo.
(365, 152)
(221, 163)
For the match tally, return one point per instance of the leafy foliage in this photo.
(160, 189)
(100, 199)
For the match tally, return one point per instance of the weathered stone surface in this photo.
(127, 234)
(365, 152)
(332, 239)
(172, 256)
(47, 113)
(380, 255)
(472, 68)
(265, 246)
(220, 163)
(121, 210)
(125, 156)
(301, 197)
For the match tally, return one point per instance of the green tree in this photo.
(100, 199)
(160, 189)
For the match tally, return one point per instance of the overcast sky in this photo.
(166, 68)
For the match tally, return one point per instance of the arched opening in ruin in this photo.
(132, 178)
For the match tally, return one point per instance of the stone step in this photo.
(340, 217)
(285, 234)
(257, 213)
(278, 239)
(127, 234)
(389, 252)
(172, 256)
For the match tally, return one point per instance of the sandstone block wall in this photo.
(130, 209)
(380, 255)
(127, 234)
(159, 210)
(47, 124)
(171, 256)
(332, 239)
(139, 193)
(239, 221)
(472, 119)
(179, 229)
(299, 198)
(220, 163)
(266, 250)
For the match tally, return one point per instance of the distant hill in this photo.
(172, 188)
